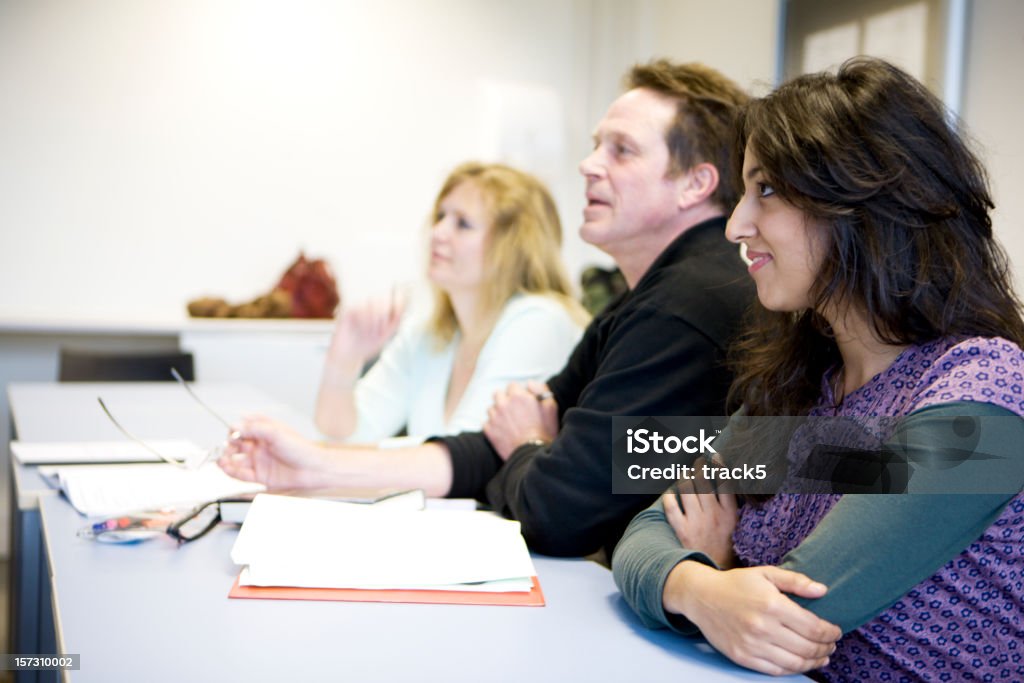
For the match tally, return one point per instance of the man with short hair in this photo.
(659, 184)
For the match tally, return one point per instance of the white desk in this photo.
(283, 358)
(173, 601)
(69, 412)
(157, 612)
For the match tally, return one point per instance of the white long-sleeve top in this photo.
(532, 339)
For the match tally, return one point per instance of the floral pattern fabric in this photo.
(966, 621)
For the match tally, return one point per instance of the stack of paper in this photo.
(37, 453)
(235, 509)
(118, 489)
(309, 543)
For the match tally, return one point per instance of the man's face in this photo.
(629, 193)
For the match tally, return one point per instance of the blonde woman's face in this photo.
(458, 240)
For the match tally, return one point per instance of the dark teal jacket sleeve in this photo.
(648, 551)
(870, 549)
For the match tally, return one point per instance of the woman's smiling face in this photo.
(784, 246)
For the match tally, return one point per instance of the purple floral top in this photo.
(963, 622)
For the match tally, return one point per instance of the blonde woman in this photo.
(502, 313)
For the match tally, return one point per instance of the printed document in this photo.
(309, 543)
(37, 453)
(117, 489)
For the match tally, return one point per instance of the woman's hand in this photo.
(273, 454)
(363, 330)
(359, 335)
(705, 521)
(745, 615)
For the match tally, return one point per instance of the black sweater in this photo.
(658, 350)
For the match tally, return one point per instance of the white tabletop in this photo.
(159, 612)
(49, 412)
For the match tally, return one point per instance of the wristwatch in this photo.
(535, 442)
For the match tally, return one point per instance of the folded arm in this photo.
(869, 550)
(746, 614)
(872, 549)
(654, 364)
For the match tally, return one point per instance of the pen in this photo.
(125, 529)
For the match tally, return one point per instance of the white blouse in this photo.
(407, 385)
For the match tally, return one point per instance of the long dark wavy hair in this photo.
(871, 153)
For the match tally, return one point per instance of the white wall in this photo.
(625, 33)
(155, 151)
(993, 102)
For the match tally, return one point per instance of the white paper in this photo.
(36, 453)
(118, 489)
(521, 585)
(407, 500)
(450, 504)
(308, 543)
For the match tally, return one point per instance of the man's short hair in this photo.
(702, 130)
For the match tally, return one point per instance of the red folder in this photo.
(535, 598)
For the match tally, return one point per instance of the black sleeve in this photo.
(567, 385)
(654, 364)
(474, 463)
(474, 460)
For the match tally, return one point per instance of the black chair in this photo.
(92, 366)
(600, 287)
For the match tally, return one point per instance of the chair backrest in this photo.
(92, 366)
(600, 287)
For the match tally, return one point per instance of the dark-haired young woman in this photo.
(882, 294)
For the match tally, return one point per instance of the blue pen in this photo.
(125, 529)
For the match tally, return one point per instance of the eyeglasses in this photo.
(233, 434)
(195, 524)
(190, 463)
(202, 519)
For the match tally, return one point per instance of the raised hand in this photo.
(363, 330)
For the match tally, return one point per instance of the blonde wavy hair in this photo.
(523, 248)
